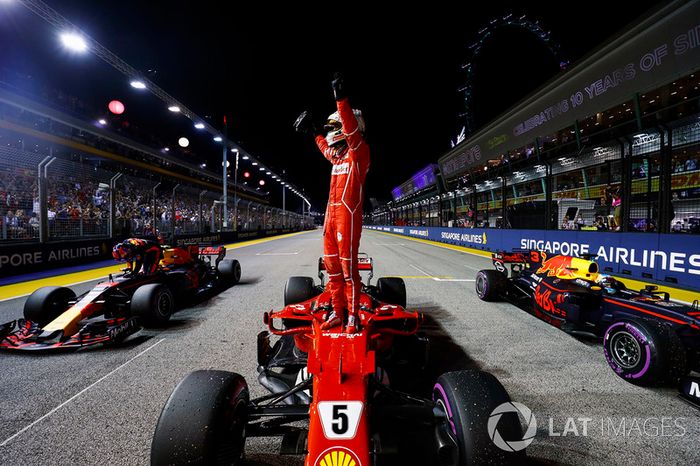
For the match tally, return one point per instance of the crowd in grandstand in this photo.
(79, 206)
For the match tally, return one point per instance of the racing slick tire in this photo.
(203, 422)
(644, 352)
(230, 270)
(153, 304)
(469, 398)
(47, 303)
(392, 290)
(299, 289)
(490, 285)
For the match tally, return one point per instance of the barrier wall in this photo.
(671, 259)
(19, 259)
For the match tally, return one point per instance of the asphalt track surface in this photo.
(101, 406)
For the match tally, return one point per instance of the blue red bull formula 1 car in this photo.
(647, 338)
(55, 318)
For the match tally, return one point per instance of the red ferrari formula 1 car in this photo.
(340, 384)
(55, 318)
(647, 338)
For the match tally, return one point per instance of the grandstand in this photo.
(63, 178)
(627, 158)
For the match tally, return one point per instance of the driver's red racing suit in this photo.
(343, 224)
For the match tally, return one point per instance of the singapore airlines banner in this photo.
(673, 260)
(662, 48)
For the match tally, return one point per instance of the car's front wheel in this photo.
(203, 422)
(468, 400)
(47, 303)
(392, 290)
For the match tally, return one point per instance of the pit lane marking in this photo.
(26, 428)
(439, 279)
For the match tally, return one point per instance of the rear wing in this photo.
(519, 258)
(216, 252)
(364, 264)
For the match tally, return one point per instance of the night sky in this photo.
(262, 66)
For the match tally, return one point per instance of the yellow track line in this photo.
(17, 290)
(678, 294)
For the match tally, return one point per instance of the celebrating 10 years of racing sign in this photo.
(672, 259)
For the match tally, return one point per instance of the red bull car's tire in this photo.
(203, 422)
(47, 303)
(154, 304)
(468, 399)
(230, 270)
(490, 285)
(644, 352)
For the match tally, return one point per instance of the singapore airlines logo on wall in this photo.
(468, 238)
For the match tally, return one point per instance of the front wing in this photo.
(24, 335)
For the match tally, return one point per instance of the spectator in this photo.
(617, 212)
(600, 224)
(565, 225)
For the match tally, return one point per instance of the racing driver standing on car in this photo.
(344, 146)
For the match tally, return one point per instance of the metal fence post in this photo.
(172, 212)
(112, 213)
(154, 214)
(200, 227)
(43, 204)
(44, 176)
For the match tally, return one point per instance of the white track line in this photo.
(9, 439)
(278, 253)
(438, 279)
(421, 271)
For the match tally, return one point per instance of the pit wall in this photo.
(671, 260)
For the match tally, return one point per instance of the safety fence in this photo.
(47, 194)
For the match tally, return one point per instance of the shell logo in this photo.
(338, 456)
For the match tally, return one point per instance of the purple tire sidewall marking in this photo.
(447, 406)
(642, 341)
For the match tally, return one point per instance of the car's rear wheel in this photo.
(392, 290)
(299, 289)
(468, 399)
(230, 270)
(203, 422)
(153, 304)
(490, 285)
(47, 303)
(644, 352)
